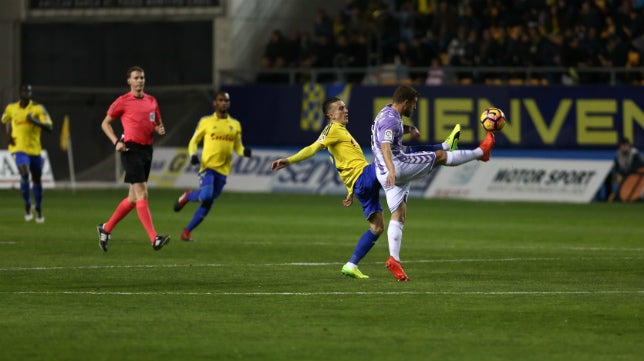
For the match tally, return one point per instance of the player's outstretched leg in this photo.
(450, 144)
(452, 139)
(486, 145)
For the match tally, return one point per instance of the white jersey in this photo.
(388, 128)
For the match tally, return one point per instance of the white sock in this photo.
(445, 146)
(351, 265)
(458, 157)
(394, 233)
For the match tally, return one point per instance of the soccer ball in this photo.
(493, 119)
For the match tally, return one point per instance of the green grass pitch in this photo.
(489, 281)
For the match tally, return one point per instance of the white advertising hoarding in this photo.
(522, 179)
(171, 168)
(10, 177)
(502, 178)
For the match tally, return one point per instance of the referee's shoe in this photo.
(160, 241)
(103, 237)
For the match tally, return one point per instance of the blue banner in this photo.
(548, 117)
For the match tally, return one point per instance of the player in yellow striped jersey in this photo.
(25, 120)
(358, 176)
(221, 136)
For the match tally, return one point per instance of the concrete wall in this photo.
(10, 15)
(240, 35)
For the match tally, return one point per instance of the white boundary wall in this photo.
(522, 179)
(10, 177)
(515, 179)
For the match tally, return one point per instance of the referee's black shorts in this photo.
(137, 162)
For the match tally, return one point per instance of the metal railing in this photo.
(395, 74)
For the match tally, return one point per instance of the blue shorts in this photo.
(33, 161)
(211, 184)
(367, 191)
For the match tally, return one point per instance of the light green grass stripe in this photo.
(317, 264)
(334, 293)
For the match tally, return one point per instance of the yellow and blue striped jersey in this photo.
(346, 152)
(25, 133)
(220, 138)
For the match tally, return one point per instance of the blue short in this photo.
(33, 161)
(211, 184)
(367, 191)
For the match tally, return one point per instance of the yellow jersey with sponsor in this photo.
(345, 152)
(25, 134)
(220, 138)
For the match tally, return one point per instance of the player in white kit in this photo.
(395, 169)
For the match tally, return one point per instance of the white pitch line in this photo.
(311, 264)
(355, 293)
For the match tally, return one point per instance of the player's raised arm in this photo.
(303, 154)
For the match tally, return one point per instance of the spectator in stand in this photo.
(277, 46)
(418, 55)
(324, 56)
(456, 52)
(358, 55)
(469, 19)
(487, 50)
(614, 53)
(563, 33)
(340, 22)
(445, 23)
(406, 16)
(307, 51)
(627, 161)
(456, 48)
(323, 25)
(435, 75)
(590, 16)
(342, 57)
(358, 22)
(293, 49)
